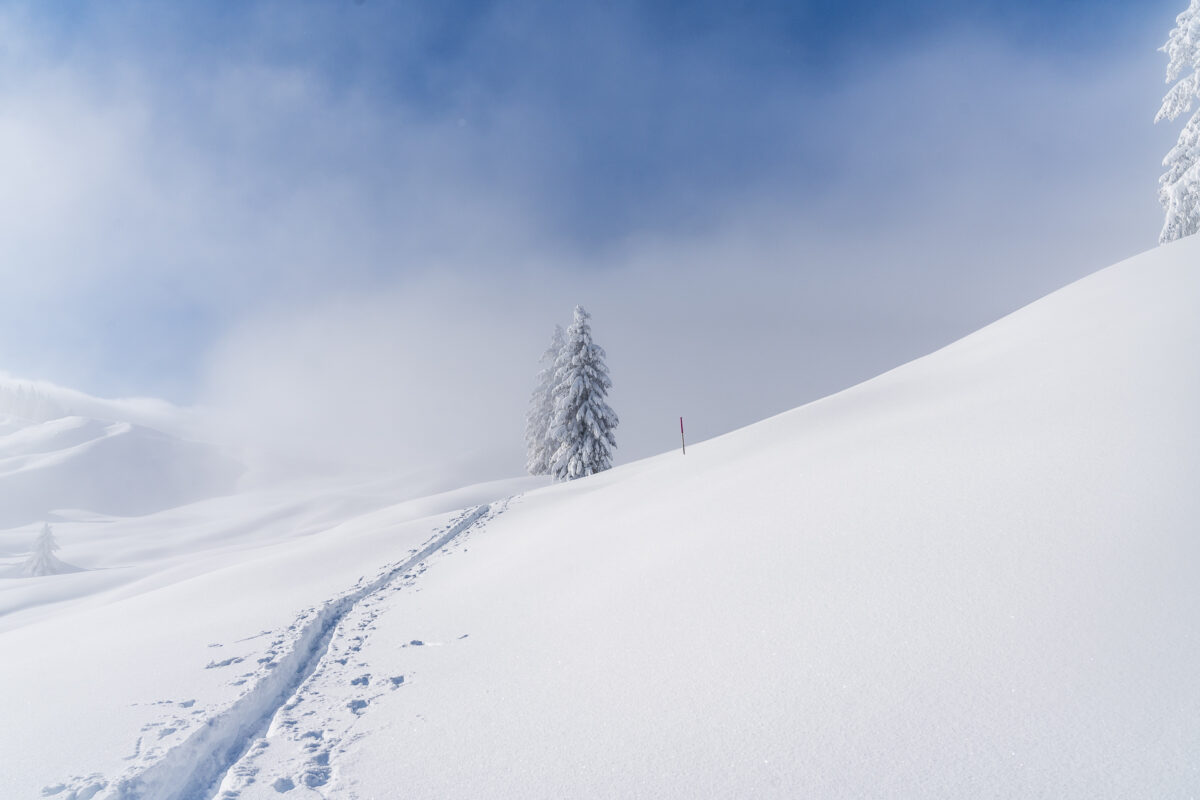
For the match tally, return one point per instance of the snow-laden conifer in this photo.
(539, 444)
(1179, 187)
(42, 560)
(583, 421)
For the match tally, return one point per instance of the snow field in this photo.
(120, 664)
(108, 467)
(192, 768)
(971, 576)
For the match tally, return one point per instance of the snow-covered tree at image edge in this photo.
(1179, 187)
(583, 422)
(539, 444)
(43, 561)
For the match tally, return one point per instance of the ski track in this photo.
(304, 741)
(198, 767)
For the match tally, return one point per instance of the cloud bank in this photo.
(352, 247)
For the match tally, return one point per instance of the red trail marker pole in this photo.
(682, 441)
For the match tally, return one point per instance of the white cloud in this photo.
(373, 284)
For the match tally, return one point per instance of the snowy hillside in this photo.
(971, 576)
(61, 451)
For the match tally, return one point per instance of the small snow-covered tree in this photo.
(583, 421)
(42, 560)
(1179, 187)
(539, 444)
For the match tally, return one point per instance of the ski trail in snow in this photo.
(194, 769)
(309, 735)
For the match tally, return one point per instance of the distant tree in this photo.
(42, 560)
(29, 403)
(1179, 187)
(583, 421)
(540, 445)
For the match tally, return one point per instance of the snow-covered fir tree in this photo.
(42, 560)
(539, 444)
(1179, 187)
(583, 421)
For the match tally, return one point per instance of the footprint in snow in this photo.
(225, 663)
(317, 772)
(91, 786)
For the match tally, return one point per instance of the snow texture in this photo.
(196, 767)
(583, 421)
(1179, 186)
(62, 450)
(971, 576)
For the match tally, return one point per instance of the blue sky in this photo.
(201, 197)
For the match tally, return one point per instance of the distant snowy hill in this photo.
(63, 450)
(971, 576)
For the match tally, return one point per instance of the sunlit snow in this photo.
(971, 576)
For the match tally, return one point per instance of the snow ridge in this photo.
(194, 769)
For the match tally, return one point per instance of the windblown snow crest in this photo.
(194, 769)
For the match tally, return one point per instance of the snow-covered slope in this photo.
(971, 576)
(25, 401)
(61, 451)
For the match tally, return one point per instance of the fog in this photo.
(346, 274)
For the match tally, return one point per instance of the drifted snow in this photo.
(973, 575)
(104, 466)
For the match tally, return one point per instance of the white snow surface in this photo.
(62, 450)
(974, 575)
